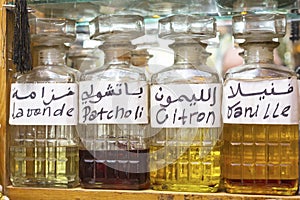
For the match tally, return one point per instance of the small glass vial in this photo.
(186, 107)
(43, 112)
(260, 102)
(113, 110)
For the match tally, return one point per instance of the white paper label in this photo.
(109, 102)
(43, 104)
(261, 102)
(186, 105)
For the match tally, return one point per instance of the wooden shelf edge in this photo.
(16, 193)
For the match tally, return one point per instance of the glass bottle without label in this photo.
(260, 102)
(186, 110)
(43, 112)
(139, 61)
(84, 53)
(113, 108)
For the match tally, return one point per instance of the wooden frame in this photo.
(3, 94)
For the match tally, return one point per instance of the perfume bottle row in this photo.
(185, 129)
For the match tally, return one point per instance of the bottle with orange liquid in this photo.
(260, 113)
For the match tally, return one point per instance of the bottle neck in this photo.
(117, 53)
(187, 53)
(49, 55)
(259, 52)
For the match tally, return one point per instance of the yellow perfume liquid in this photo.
(189, 162)
(43, 162)
(260, 159)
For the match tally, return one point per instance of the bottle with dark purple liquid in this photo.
(113, 111)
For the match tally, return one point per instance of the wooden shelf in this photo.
(89, 194)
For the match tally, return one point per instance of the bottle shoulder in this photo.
(57, 74)
(188, 75)
(113, 74)
(259, 71)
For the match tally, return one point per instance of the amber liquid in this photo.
(114, 169)
(189, 163)
(260, 159)
(43, 156)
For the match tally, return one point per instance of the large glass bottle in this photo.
(113, 110)
(43, 112)
(185, 108)
(260, 102)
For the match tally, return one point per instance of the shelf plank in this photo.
(15, 193)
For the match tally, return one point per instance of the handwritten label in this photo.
(109, 102)
(43, 104)
(261, 102)
(186, 105)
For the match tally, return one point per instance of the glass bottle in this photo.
(260, 102)
(84, 53)
(186, 107)
(113, 110)
(43, 112)
(139, 61)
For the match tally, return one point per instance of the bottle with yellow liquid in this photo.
(260, 102)
(43, 148)
(185, 109)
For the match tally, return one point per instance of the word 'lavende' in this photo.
(43, 104)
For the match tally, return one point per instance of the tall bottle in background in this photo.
(260, 102)
(84, 53)
(186, 106)
(139, 61)
(43, 112)
(113, 110)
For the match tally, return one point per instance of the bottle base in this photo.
(267, 187)
(42, 183)
(186, 187)
(116, 186)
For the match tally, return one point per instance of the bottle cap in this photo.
(117, 27)
(187, 26)
(46, 30)
(259, 26)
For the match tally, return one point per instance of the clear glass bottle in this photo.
(260, 102)
(43, 149)
(113, 110)
(139, 61)
(186, 107)
(84, 53)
